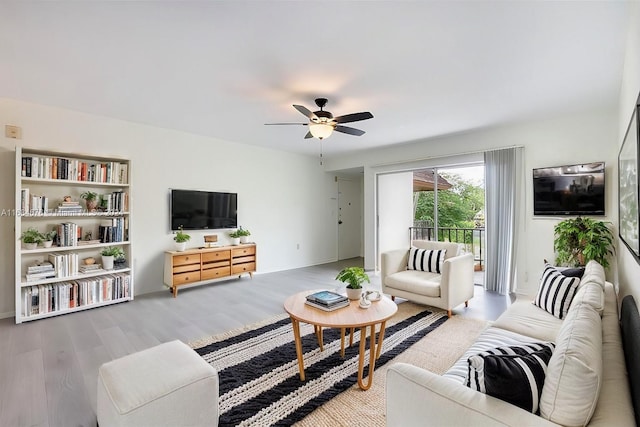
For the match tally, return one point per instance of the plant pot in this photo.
(30, 246)
(181, 246)
(235, 241)
(47, 243)
(244, 239)
(354, 294)
(107, 262)
(91, 205)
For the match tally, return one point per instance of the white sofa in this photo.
(586, 381)
(447, 290)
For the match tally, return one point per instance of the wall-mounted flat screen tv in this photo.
(569, 190)
(203, 210)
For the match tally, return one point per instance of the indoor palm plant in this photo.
(579, 240)
(181, 238)
(354, 277)
(91, 199)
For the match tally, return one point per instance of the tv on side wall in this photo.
(569, 190)
(203, 210)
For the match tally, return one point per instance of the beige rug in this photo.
(436, 352)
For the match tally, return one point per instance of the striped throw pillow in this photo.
(514, 374)
(426, 260)
(556, 292)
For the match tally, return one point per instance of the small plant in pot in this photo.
(244, 234)
(181, 238)
(109, 255)
(235, 236)
(31, 237)
(354, 277)
(91, 200)
(47, 238)
(579, 240)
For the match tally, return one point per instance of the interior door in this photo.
(349, 219)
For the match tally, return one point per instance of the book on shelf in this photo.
(327, 298)
(49, 298)
(49, 167)
(328, 307)
(39, 266)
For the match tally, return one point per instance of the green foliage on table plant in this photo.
(181, 236)
(579, 240)
(353, 277)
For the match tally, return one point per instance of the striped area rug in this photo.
(258, 368)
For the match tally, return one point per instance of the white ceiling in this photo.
(224, 68)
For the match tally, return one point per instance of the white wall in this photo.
(394, 200)
(283, 199)
(628, 268)
(579, 138)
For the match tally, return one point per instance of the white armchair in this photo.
(450, 288)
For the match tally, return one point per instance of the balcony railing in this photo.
(471, 238)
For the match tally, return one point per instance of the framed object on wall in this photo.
(629, 219)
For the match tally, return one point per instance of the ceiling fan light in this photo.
(320, 130)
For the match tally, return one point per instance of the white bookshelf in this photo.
(92, 289)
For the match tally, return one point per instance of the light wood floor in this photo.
(48, 368)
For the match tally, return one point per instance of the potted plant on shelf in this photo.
(354, 277)
(31, 237)
(109, 254)
(244, 234)
(91, 200)
(579, 240)
(235, 237)
(181, 238)
(47, 238)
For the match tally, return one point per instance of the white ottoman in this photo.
(166, 385)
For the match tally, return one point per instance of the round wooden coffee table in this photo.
(347, 317)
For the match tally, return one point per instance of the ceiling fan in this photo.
(322, 123)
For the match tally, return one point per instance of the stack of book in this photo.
(327, 300)
(90, 268)
(69, 208)
(40, 270)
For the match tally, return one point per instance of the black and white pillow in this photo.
(426, 260)
(556, 292)
(514, 374)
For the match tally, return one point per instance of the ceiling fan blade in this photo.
(306, 112)
(308, 135)
(350, 131)
(298, 124)
(355, 117)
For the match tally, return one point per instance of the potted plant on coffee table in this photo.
(181, 238)
(354, 277)
(109, 254)
(579, 240)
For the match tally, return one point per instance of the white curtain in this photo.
(502, 181)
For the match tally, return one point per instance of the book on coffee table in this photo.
(327, 298)
(328, 307)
